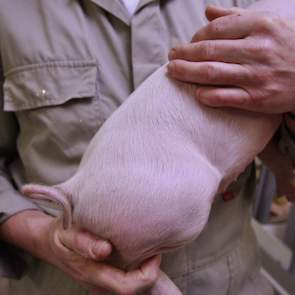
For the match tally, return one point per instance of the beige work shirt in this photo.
(66, 66)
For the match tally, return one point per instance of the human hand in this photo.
(76, 252)
(241, 59)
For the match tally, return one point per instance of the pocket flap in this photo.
(48, 84)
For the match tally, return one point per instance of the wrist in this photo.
(29, 230)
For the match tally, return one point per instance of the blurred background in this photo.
(274, 225)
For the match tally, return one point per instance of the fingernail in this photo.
(101, 250)
(171, 53)
(201, 97)
(205, 101)
(170, 68)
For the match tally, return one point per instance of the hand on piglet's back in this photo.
(147, 180)
(244, 59)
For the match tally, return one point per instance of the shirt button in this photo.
(227, 196)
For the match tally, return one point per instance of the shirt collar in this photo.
(117, 8)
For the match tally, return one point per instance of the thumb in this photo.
(213, 12)
(149, 271)
(85, 244)
(164, 286)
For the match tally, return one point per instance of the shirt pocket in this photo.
(56, 105)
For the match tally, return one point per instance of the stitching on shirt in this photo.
(48, 101)
(88, 90)
(54, 64)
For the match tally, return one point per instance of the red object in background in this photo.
(227, 196)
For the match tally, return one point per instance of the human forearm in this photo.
(28, 230)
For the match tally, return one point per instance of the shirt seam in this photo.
(53, 64)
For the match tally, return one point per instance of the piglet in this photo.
(149, 176)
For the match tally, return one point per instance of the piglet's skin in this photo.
(149, 176)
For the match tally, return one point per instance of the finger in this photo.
(209, 73)
(232, 51)
(212, 12)
(165, 285)
(115, 280)
(224, 97)
(86, 244)
(233, 26)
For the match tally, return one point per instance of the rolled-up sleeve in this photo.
(12, 261)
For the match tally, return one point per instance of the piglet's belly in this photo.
(150, 209)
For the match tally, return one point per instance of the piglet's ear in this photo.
(52, 195)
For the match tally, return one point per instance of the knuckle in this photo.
(265, 77)
(207, 49)
(263, 49)
(272, 90)
(267, 51)
(257, 99)
(210, 73)
(268, 22)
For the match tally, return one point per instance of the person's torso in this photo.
(69, 64)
